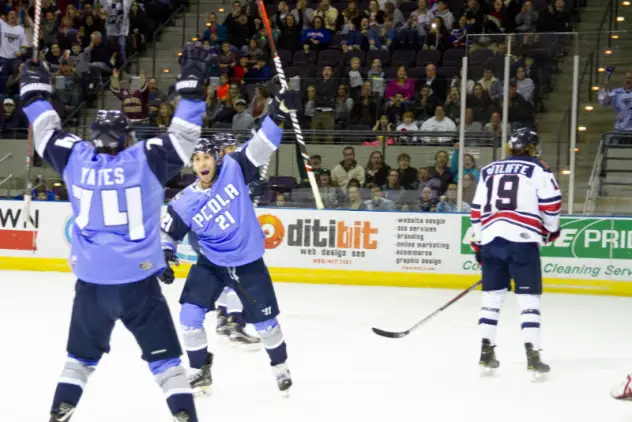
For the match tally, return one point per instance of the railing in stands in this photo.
(8, 158)
(161, 28)
(594, 184)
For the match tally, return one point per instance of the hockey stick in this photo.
(26, 210)
(297, 129)
(400, 334)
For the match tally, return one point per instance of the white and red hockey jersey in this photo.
(517, 199)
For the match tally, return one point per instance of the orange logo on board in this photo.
(273, 230)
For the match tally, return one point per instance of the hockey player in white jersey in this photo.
(515, 211)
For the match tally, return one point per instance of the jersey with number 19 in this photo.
(116, 200)
(516, 199)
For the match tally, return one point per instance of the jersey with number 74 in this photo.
(516, 199)
(116, 200)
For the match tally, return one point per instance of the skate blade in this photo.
(202, 391)
(537, 377)
(487, 372)
(285, 393)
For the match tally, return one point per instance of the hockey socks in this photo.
(273, 341)
(530, 319)
(491, 304)
(72, 381)
(171, 377)
(194, 336)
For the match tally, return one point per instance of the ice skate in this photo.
(239, 337)
(222, 324)
(202, 380)
(537, 368)
(182, 417)
(63, 414)
(488, 362)
(283, 378)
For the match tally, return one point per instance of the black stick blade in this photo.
(390, 334)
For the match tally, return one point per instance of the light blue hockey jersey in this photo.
(621, 100)
(116, 200)
(221, 220)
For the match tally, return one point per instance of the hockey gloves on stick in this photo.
(550, 237)
(34, 82)
(283, 104)
(476, 247)
(194, 63)
(168, 275)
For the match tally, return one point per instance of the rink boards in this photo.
(592, 255)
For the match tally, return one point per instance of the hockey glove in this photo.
(550, 237)
(476, 247)
(34, 82)
(168, 275)
(283, 104)
(195, 61)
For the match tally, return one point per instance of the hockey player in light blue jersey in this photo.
(219, 217)
(116, 192)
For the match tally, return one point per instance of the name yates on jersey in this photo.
(102, 177)
(215, 208)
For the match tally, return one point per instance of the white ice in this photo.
(342, 371)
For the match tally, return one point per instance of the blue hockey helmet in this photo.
(112, 129)
(524, 141)
(207, 145)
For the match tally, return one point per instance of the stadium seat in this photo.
(286, 57)
(402, 58)
(428, 57)
(329, 58)
(453, 57)
(384, 57)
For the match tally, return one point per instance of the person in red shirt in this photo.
(240, 70)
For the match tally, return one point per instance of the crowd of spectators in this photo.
(83, 43)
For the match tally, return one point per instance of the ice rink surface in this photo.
(341, 370)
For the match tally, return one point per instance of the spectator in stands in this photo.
(67, 91)
(11, 119)
(408, 124)
(242, 120)
(382, 125)
(527, 18)
(347, 169)
(316, 38)
(374, 14)
(376, 170)
(352, 14)
(117, 25)
(354, 197)
(12, 88)
(472, 126)
(393, 14)
(163, 116)
(555, 18)
(401, 84)
(452, 106)
(316, 162)
(425, 105)
(438, 38)
(475, 16)
(395, 109)
(133, 99)
(488, 80)
(448, 201)
(441, 171)
(291, 29)
(521, 112)
(258, 108)
(498, 15)
(260, 72)
(241, 31)
(99, 54)
(438, 123)
(215, 33)
(13, 40)
(253, 50)
(343, 107)
(469, 188)
(154, 95)
(328, 14)
(280, 200)
(137, 29)
(458, 37)
(87, 29)
(407, 174)
(355, 78)
(66, 34)
(378, 202)
(525, 85)
(442, 11)
(392, 189)
(357, 37)
(619, 99)
(424, 180)
(42, 193)
(365, 107)
(49, 28)
(53, 58)
(329, 193)
(382, 37)
(303, 13)
(240, 70)
(427, 201)
(495, 128)
(437, 85)
(418, 23)
(309, 107)
(469, 165)
(231, 20)
(326, 93)
(227, 59)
